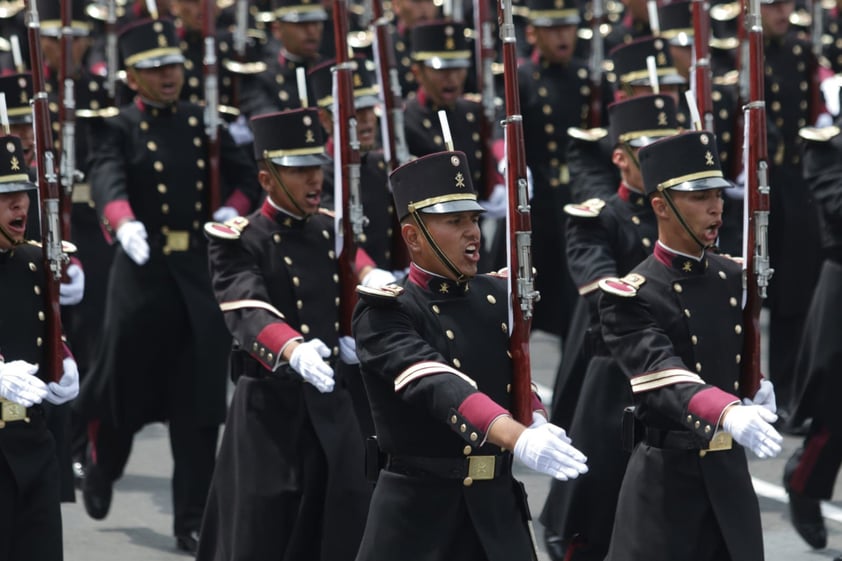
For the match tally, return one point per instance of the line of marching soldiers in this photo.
(152, 332)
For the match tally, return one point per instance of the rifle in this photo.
(211, 103)
(521, 283)
(111, 49)
(349, 217)
(756, 248)
(701, 63)
(595, 60)
(485, 54)
(48, 189)
(67, 118)
(391, 121)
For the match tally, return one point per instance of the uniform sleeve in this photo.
(389, 346)
(823, 172)
(107, 172)
(254, 96)
(590, 256)
(591, 174)
(260, 329)
(657, 375)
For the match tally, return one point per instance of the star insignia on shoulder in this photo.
(444, 288)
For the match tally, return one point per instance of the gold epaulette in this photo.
(231, 229)
(327, 212)
(66, 246)
(588, 135)
(819, 134)
(625, 287)
(381, 296)
(588, 209)
(244, 68)
(727, 79)
(475, 97)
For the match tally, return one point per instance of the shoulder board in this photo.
(588, 209)
(727, 79)
(588, 135)
(231, 229)
(382, 296)
(625, 287)
(475, 97)
(500, 273)
(819, 134)
(244, 68)
(327, 212)
(66, 246)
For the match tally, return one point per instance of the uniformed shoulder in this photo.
(66, 246)
(587, 209)
(728, 263)
(380, 297)
(327, 212)
(819, 134)
(727, 79)
(473, 98)
(231, 229)
(625, 287)
(587, 135)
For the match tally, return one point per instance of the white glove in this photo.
(132, 236)
(240, 131)
(537, 420)
(497, 205)
(750, 425)
(68, 387)
(830, 91)
(348, 350)
(547, 449)
(376, 278)
(18, 383)
(224, 213)
(765, 396)
(70, 293)
(306, 359)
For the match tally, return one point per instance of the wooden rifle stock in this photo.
(701, 63)
(352, 221)
(48, 189)
(211, 103)
(521, 284)
(485, 54)
(756, 250)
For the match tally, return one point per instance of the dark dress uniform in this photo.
(192, 44)
(674, 326)
(553, 98)
(29, 467)
(605, 239)
(151, 165)
(401, 42)
(811, 472)
(289, 482)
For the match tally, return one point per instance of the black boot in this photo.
(97, 491)
(188, 542)
(805, 512)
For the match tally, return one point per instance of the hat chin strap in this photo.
(277, 177)
(671, 203)
(460, 276)
(8, 236)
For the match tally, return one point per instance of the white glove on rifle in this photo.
(546, 448)
(765, 396)
(750, 425)
(538, 419)
(132, 236)
(18, 383)
(497, 204)
(224, 213)
(68, 387)
(376, 278)
(70, 293)
(306, 359)
(348, 350)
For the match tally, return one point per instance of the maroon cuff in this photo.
(709, 404)
(117, 211)
(239, 202)
(65, 351)
(271, 340)
(363, 260)
(480, 410)
(75, 261)
(538, 406)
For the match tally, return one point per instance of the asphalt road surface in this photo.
(139, 526)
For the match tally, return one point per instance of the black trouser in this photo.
(818, 464)
(194, 455)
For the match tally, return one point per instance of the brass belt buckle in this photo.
(12, 411)
(481, 467)
(177, 240)
(721, 441)
(81, 193)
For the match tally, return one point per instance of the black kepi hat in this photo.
(290, 138)
(641, 120)
(550, 13)
(18, 90)
(14, 176)
(320, 80)
(149, 44)
(684, 162)
(630, 62)
(440, 44)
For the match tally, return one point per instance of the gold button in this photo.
(474, 437)
(165, 208)
(336, 325)
(193, 121)
(436, 309)
(326, 234)
(453, 419)
(463, 427)
(254, 347)
(739, 359)
(159, 166)
(197, 142)
(697, 424)
(270, 357)
(32, 266)
(689, 418)
(686, 312)
(151, 146)
(162, 188)
(37, 289)
(694, 339)
(732, 301)
(299, 304)
(468, 481)
(457, 363)
(722, 275)
(647, 242)
(467, 449)
(335, 278)
(39, 341)
(736, 385)
(504, 327)
(277, 238)
(296, 281)
(491, 299)
(41, 316)
(262, 352)
(698, 367)
(305, 329)
(677, 288)
(450, 334)
(707, 428)
(635, 220)
(198, 206)
(738, 329)
(287, 260)
(331, 254)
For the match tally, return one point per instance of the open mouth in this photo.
(712, 231)
(314, 197)
(18, 226)
(472, 252)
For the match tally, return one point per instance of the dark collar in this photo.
(438, 285)
(633, 197)
(280, 217)
(684, 264)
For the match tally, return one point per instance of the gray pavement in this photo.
(139, 526)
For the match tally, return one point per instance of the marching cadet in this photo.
(29, 468)
(150, 179)
(408, 14)
(554, 96)
(291, 426)
(634, 25)
(298, 26)
(811, 471)
(792, 102)
(606, 238)
(674, 326)
(589, 153)
(438, 384)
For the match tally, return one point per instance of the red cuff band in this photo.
(117, 211)
(239, 202)
(480, 410)
(538, 406)
(709, 404)
(272, 339)
(363, 260)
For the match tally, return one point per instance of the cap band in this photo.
(689, 177)
(412, 207)
(152, 54)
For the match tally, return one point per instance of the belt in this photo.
(686, 440)
(81, 194)
(171, 241)
(468, 469)
(11, 412)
